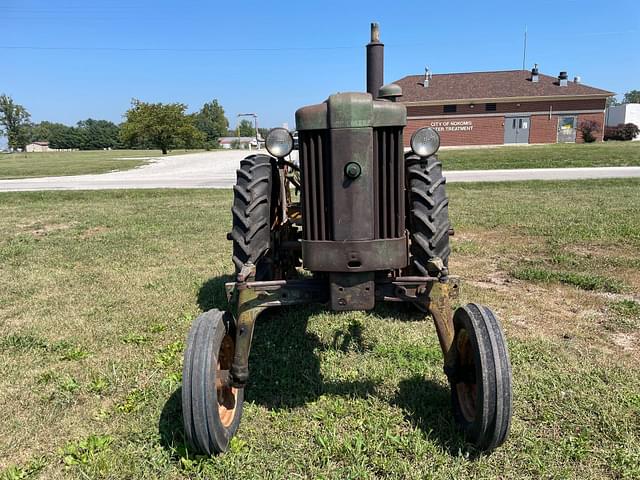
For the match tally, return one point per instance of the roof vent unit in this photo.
(563, 78)
(427, 77)
(535, 78)
(577, 79)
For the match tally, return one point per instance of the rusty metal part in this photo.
(247, 271)
(352, 291)
(440, 295)
(404, 289)
(359, 291)
(248, 311)
(252, 299)
(226, 393)
(285, 193)
(356, 256)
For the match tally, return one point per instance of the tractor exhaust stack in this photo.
(375, 62)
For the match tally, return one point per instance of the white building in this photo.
(38, 147)
(625, 113)
(238, 142)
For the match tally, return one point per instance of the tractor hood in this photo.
(351, 110)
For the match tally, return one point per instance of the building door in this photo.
(567, 129)
(516, 129)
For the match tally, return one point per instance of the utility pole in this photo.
(524, 51)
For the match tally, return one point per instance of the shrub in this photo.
(589, 129)
(624, 132)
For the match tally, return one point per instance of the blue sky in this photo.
(92, 57)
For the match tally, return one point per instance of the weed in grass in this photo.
(157, 328)
(135, 339)
(582, 281)
(135, 401)
(74, 353)
(84, 452)
(172, 380)
(465, 247)
(15, 472)
(169, 355)
(47, 377)
(626, 308)
(69, 351)
(69, 384)
(624, 317)
(98, 385)
(23, 343)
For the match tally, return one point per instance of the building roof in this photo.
(42, 144)
(508, 84)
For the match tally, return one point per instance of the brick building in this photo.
(495, 108)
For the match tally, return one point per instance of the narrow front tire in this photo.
(211, 411)
(480, 377)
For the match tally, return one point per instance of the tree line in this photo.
(146, 125)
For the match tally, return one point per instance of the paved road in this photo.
(217, 170)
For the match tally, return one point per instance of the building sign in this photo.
(452, 125)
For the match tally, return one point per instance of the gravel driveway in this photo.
(217, 170)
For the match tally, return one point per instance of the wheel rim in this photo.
(466, 388)
(226, 395)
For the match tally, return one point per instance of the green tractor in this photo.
(371, 225)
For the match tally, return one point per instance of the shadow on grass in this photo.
(285, 371)
(427, 405)
(172, 436)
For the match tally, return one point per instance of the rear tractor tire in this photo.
(211, 411)
(480, 377)
(252, 214)
(429, 225)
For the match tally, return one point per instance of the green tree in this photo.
(211, 121)
(632, 96)
(14, 122)
(57, 134)
(245, 128)
(263, 132)
(97, 134)
(612, 101)
(160, 125)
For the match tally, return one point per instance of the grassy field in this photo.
(97, 292)
(25, 165)
(607, 154)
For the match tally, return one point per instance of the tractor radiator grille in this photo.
(316, 184)
(388, 161)
(388, 182)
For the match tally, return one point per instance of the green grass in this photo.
(98, 290)
(585, 282)
(607, 154)
(44, 164)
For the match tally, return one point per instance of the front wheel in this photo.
(211, 410)
(480, 377)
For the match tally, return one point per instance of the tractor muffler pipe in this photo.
(375, 62)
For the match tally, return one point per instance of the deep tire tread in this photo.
(428, 213)
(251, 233)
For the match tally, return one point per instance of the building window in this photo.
(450, 108)
(490, 107)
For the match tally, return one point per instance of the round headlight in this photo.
(279, 142)
(425, 141)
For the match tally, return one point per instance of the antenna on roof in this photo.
(524, 50)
